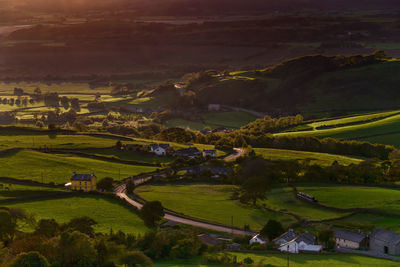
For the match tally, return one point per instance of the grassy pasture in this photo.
(361, 197)
(128, 155)
(322, 159)
(283, 199)
(280, 259)
(69, 87)
(108, 213)
(17, 190)
(213, 120)
(368, 222)
(59, 168)
(210, 202)
(353, 119)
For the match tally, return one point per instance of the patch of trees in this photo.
(75, 243)
(270, 125)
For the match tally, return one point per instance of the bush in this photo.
(31, 259)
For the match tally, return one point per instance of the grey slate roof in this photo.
(164, 146)
(347, 235)
(307, 238)
(386, 236)
(288, 236)
(191, 151)
(82, 177)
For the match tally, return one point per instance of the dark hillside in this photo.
(310, 84)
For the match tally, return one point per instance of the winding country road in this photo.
(121, 192)
(239, 152)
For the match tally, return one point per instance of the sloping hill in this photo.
(308, 85)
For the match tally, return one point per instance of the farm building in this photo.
(305, 242)
(191, 152)
(161, 149)
(83, 182)
(285, 237)
(351, 240)
(211, 153)
(384, 241)
(257, 239)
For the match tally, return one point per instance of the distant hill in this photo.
(308, 85)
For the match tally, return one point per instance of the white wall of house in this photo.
(257, 239)
(294, 247)
(159, 151)
(291, 247)
(347, 243)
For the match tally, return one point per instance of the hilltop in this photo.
(309, 85)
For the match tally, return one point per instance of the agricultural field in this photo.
(316, 158)
(58, 168)
(213, 120)
(384, 199)
(282, 199)
(367, 222)
(212, 203)
(384, 131)
(13, 190)
(61, 88)
(303, 260)
(129, 155)
(107, 213)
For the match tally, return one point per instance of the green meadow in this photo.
(316, 158)
(282, 199)
(212, 203)
(303, 260)
(12, 190)
(361, 197)
(58, 168)
(107, 213)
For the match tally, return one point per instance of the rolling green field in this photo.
(214, 120)
(303, 260)
(367, 222)
(59, 168)
(16, 190)
(128, 155)
(212, 203)
(361, 197)
(282, 199)
(69, 87)
(109, 214)
(322, 159)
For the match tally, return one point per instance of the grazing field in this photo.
(107, 213)
(276, 259)
(69, 87)
(11, 190)
(361, 197)
(214, 120)
(212, 203)
(314, 158)
(55, 168)
(282, 199)
(367, 222)
(129, 155)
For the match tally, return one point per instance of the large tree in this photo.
(272, 229)
(152, 212)
(31, 259)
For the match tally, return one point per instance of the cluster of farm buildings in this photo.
(379, 241)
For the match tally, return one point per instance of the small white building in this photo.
(160, 149)
(214, 107)
(257, 239)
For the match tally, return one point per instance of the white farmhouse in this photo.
(160, 149)
(257, 239)
(304, 242)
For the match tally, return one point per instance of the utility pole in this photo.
(288, 255)
(232, 224)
